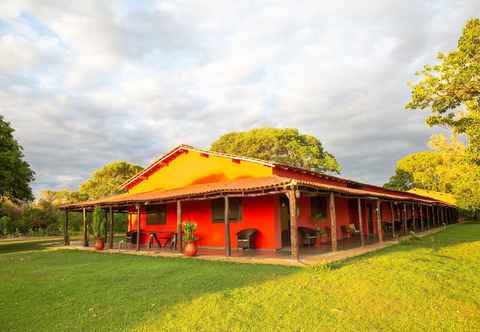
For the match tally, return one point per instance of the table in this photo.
(162, 235)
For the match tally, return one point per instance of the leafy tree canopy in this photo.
(107, 180)
(444, 168)
(451, 89)
(15, 173)
(281, 145)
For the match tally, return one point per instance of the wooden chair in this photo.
(309, 236)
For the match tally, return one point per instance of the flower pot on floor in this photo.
(99, 244)
(190, 249)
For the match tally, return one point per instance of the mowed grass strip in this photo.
(429, 284)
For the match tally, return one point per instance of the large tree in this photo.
(281, 145)
(107, 180)
(15, 173)
(451, 89)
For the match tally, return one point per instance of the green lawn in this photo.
(422, 285)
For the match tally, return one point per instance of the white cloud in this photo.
(88, 82)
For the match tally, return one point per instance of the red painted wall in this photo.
(261, 213)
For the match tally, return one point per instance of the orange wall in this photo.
(191, 167)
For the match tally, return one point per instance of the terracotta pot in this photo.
(190, 249)
(99, 244)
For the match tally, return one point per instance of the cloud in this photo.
(88, 82)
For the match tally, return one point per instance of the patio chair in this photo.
(350, 230)
(309, 236)
(245, 238)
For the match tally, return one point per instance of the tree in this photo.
(280, 145)
(451, 89)
(15, 173)
(107, 180)
(402, 181)
(444, 168)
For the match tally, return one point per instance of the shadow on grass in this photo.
(28, 245)
(450, 236)
(132, 288)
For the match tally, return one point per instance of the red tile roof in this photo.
(239, 186)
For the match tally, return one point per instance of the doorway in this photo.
(285, 220)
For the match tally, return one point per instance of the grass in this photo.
(430, 284)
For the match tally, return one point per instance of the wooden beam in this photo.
(106, 225)
(110, 244)
(85, 228)
(414, 220)
(404, 223)
(66, 239)
(392, 211)
(360, 221)
(228, 245)
(421, 217)
(379, 222)
(292, 200)
(138, 227)
(333, 222)
(179, 239)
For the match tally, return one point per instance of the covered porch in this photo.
(354, 218)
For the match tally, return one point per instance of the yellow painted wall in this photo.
(193, 168)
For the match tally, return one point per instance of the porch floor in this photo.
(308, 256)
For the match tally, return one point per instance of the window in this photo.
(318, 207)
(218, 209)
(156, 214)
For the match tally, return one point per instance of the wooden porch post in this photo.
(333, 222)
(110, 244)
(106, 225)
(442, 213)
(179, 227)
(392, 211)
(360, 221)
(138, 227)
(434, 215)
(405, 227)
(429, 217)
(85, 228)
(292, 200)
(379, 222)
(228, 245)
(421, 217)
(414, 219)
(66, 239)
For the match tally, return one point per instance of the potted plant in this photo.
(318, 220)
(98, 228)
(189, 229)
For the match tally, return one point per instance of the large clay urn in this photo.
(190, 249)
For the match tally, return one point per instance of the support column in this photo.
(228, 245)
(66, 239)
(421, 218)
(179, 239)
(85, 228)
(379, 222)
(295, 250)
(106, 226)
(414, 220)
(110, 244)
(138, 227)
(405, 227)
(360, 221)
(333, 222)
(429, 217)
(392, 211)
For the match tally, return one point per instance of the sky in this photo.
(88, 82)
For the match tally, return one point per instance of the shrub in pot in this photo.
(98, 228)
(189, 229)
